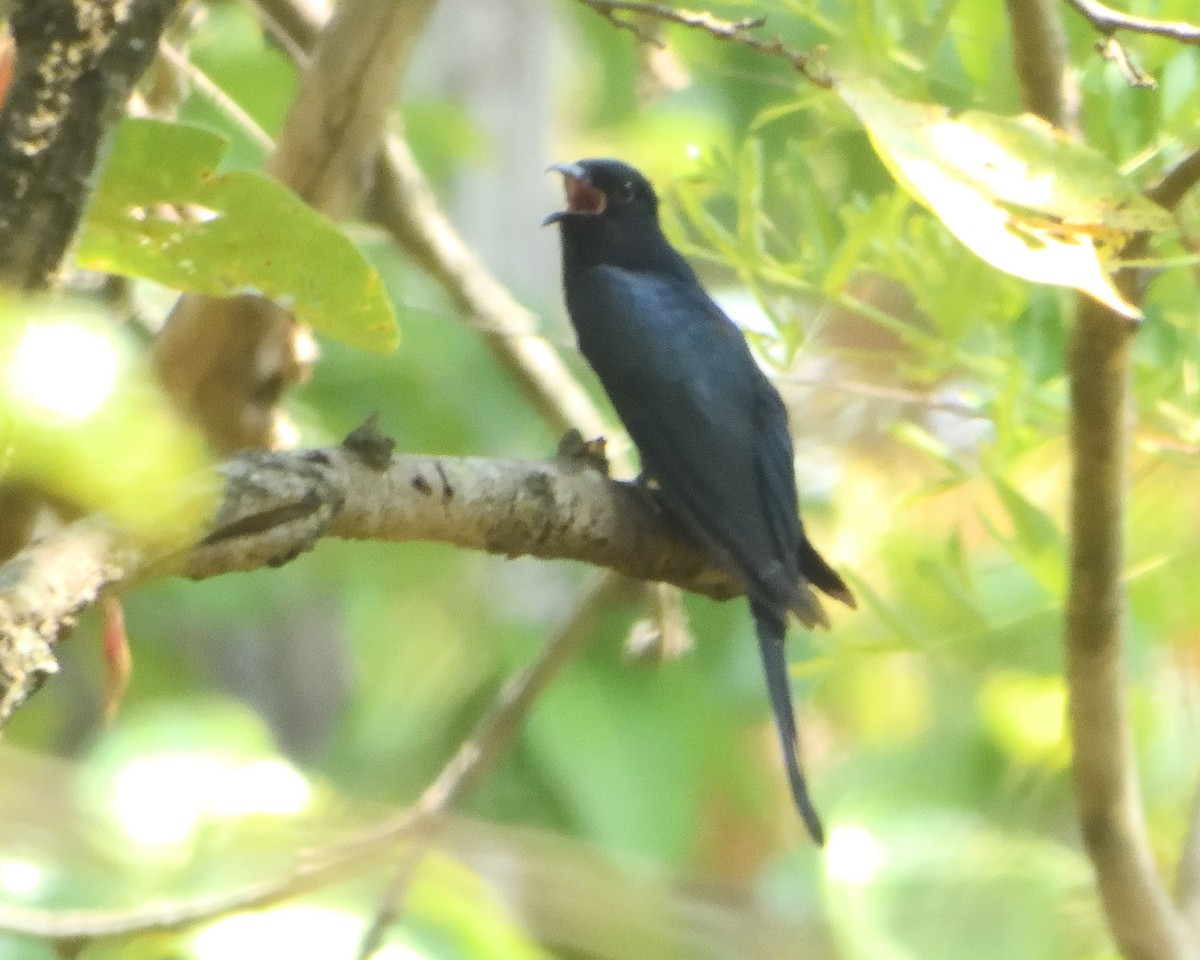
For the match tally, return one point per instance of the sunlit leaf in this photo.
(161, 211)
(82, 419)
(1021, 195)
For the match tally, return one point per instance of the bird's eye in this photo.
(625, 192)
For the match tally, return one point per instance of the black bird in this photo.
(711, 430)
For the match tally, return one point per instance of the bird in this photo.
(710, 428)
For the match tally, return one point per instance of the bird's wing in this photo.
(709, 427)
(776, 468)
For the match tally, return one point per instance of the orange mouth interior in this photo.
(582, 197)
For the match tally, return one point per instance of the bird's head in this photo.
(603, 188)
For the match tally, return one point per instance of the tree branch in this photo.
(1040, 59)
(1142, 918)
(278, 505)
(76, 65)
(405, 206)
(1176, 182)
(493, 734)
(740, 32)
(1140, 915)
(1108, 21)
(227, 361)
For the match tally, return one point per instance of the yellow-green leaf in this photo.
(1018, 193)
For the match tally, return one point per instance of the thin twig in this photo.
(1112, 50)
(223, 102)
(898, 394)
(1176, 182)
(492, 736)
(739, 32)
(1108, 21)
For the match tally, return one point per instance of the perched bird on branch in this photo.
(711, 430)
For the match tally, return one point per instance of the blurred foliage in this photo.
(929, 401)
(83, 420)
(162, 212)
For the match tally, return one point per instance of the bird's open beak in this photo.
(582, 197)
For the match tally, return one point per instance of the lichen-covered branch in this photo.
(77, 62)
(278, 505)
(76, 65)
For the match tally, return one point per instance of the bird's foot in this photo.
(590, 453)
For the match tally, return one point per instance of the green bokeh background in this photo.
(928, 397)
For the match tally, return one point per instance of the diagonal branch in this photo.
(493, 734)
(406, 207)
(227, 361)
(76, 65)
(421, 823)
(404, 204)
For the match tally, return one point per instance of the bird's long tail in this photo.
(772, 630)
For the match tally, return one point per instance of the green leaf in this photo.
(1033, 526)
(1036, 543)
(1018, 193)
(83, 418)
(162, 212)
